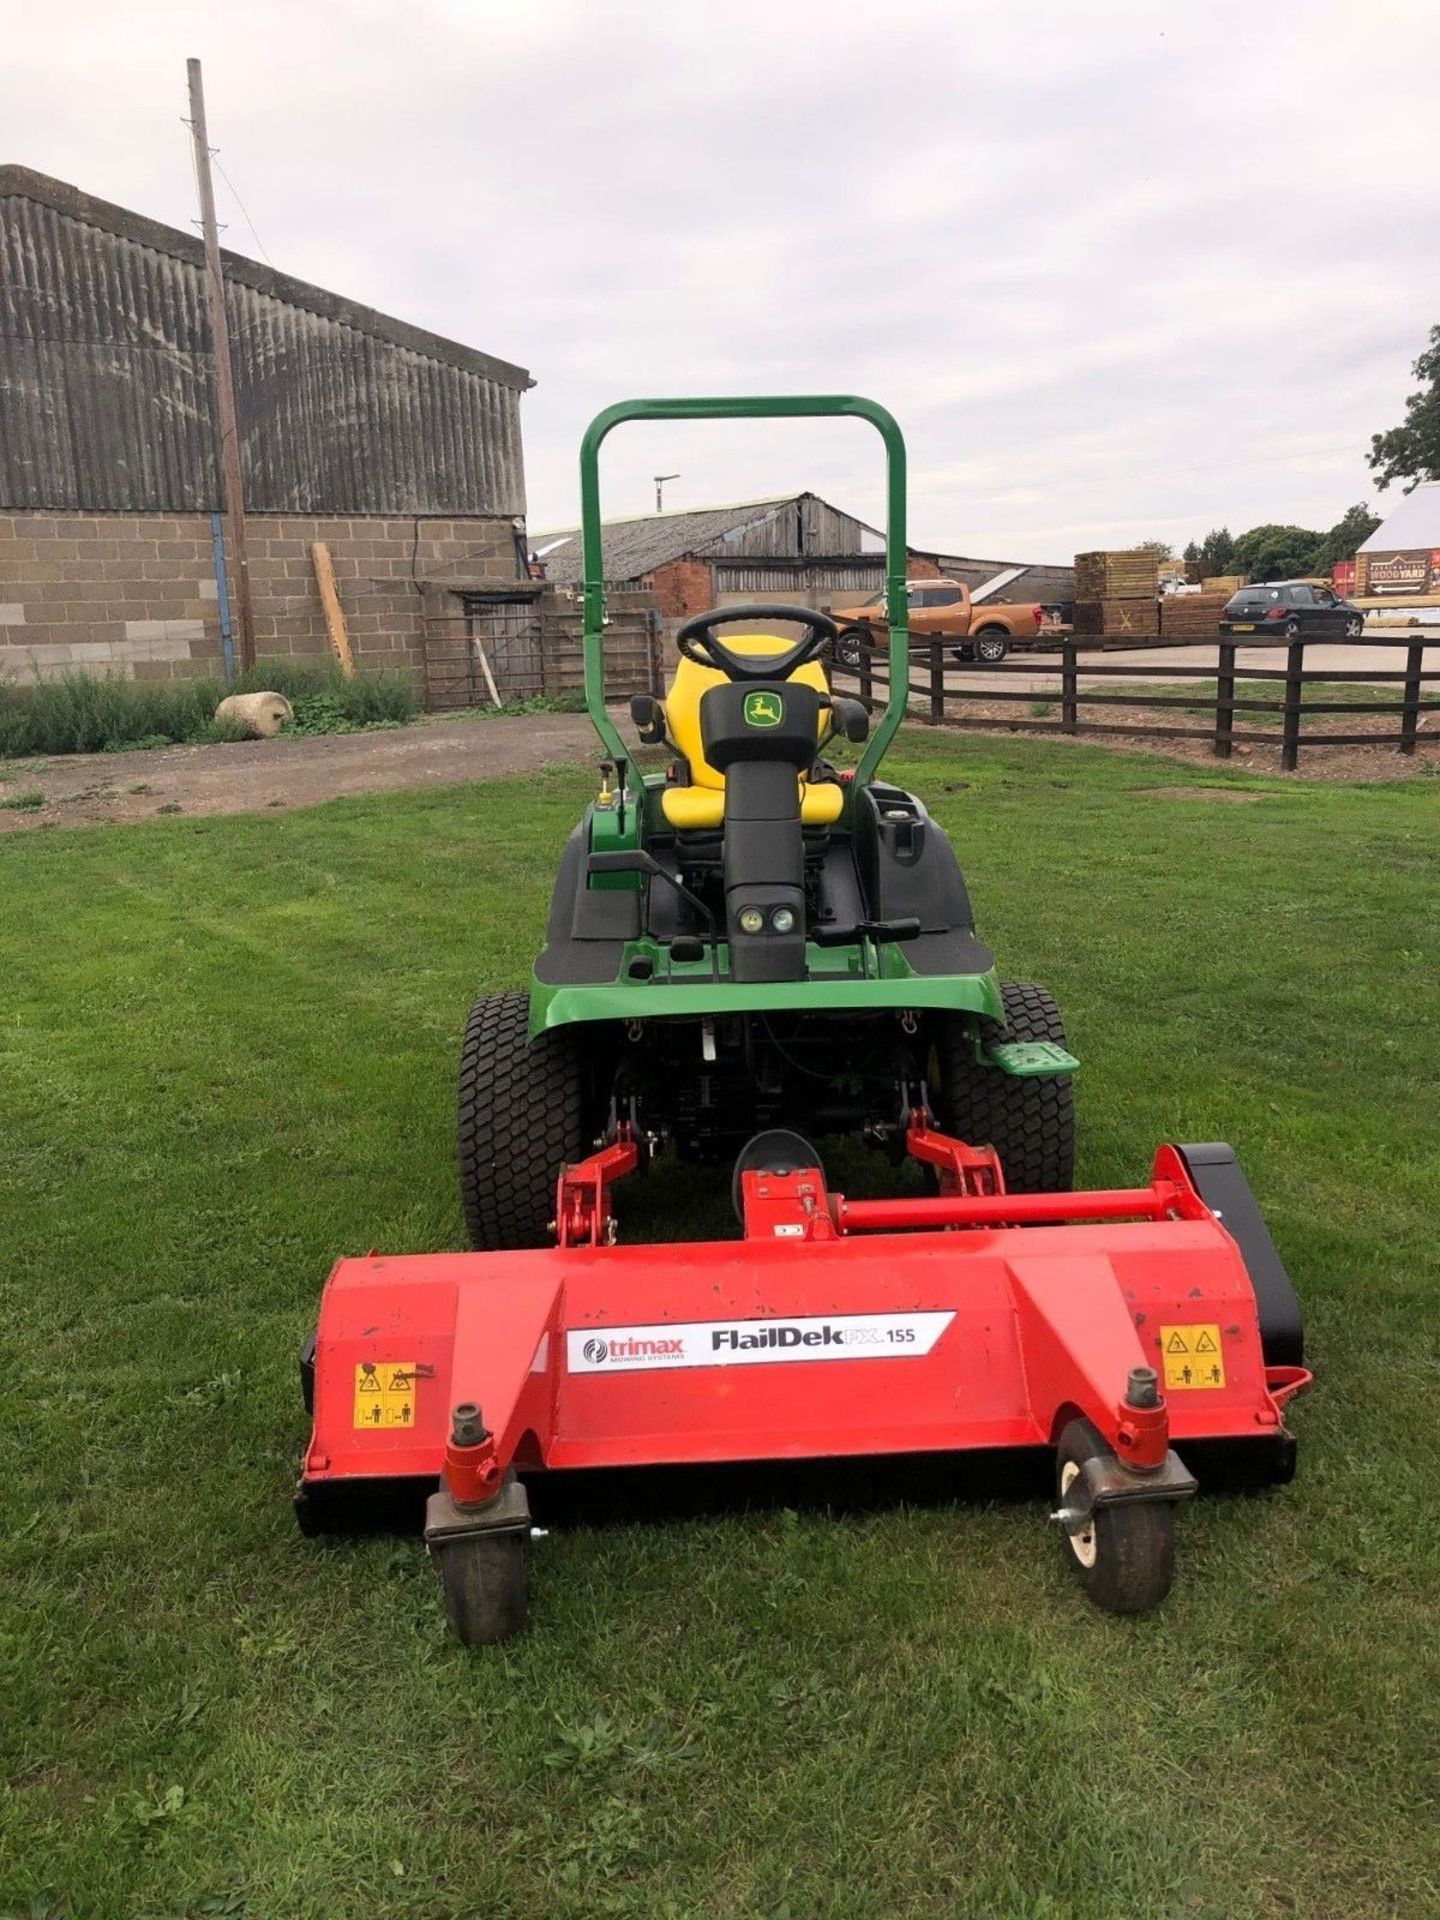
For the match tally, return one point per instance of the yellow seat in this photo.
(702, 803)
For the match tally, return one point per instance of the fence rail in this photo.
(939, 700)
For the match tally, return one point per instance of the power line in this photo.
(215, 156)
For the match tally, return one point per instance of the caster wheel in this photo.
(486, 1583)
(1125, 1557)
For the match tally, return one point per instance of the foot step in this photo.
(1029, 1058)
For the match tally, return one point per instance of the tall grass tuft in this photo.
(90, 713)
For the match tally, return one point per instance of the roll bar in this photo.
(734, 407)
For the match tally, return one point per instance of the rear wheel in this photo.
(991, 646)
(1030, 1122)
(850, 648)
(1292, 629)
(521, 1117)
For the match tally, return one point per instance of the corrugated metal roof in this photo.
(105, 380)
(1415, 522)
(635, 547)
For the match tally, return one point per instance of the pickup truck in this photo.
(940, 610)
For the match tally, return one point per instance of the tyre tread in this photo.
(520, 1119)
(1030, 1122)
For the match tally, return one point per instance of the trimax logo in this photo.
(632, 1349)
(763, 709)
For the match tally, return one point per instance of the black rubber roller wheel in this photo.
(486, 1582)
(1124, 1557)
(1029, 1122)
(521, 1117)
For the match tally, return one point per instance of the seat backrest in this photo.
(682, 702)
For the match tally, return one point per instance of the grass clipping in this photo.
(89, 713)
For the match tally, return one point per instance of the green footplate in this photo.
(1028, 1058)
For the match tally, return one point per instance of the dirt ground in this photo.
(87, 787)
(81, 789)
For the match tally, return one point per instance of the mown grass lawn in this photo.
(226, 1055)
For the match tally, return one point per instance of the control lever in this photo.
(876, 930)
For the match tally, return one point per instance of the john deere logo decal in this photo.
(763, 710)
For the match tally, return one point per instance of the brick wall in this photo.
(682, 587)
(136, 594)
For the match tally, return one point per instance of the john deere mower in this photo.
(747, 952)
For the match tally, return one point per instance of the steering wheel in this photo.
(697, 641)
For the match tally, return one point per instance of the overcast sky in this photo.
(1122, 270)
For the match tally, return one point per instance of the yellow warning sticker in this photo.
(385, 1393)
(1192, 1357)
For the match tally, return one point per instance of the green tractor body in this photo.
(723, 958)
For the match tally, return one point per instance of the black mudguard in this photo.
(1223, 1187)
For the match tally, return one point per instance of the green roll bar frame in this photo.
(727, 407)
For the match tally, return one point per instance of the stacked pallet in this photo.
(1118, 619)
(1116, 594)
(1191, 616)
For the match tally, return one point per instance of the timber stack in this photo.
(1191, 616)
(1117, 594)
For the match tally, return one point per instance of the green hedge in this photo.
(89, 713)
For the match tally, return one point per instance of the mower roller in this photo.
(746, 952)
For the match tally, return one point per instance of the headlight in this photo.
(752, 920)
(783, 919)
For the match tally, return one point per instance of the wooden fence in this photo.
(937, 696)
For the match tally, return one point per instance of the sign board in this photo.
(1407, 572)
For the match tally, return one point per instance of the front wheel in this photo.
(1030, 1120)
(521, 1118)
(1124, 1555)
(991, 647)
(1354, 627)
(850, 648)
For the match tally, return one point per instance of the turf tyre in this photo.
(1029, 1122)
(521, 1117)
(1125, 1558)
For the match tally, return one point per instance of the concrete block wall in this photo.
(136, 594)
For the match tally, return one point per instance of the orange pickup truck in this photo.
(940, 610)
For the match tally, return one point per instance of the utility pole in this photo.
(232, 497)
(660, 480)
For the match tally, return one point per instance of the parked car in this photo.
(1291, 610)
(940, 610)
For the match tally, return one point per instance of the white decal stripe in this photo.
(734, 1343)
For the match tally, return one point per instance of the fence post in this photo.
(1225, 700)
(867, 677)
(1069, 688)
(1294, 692)
(1410, 718)
(937, 683)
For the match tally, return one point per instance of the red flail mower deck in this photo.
(1110, 1324)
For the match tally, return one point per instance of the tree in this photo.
(1191, 553)
(1355, 525)
(1411, 451)
(1215, 553)
(1161, 549)
(1278, 552)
